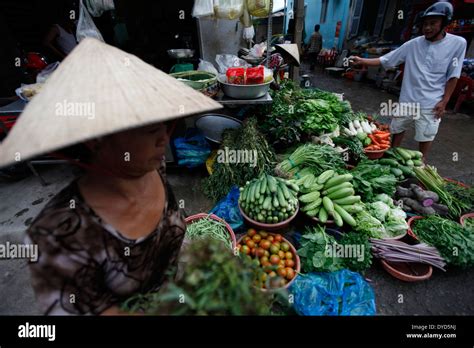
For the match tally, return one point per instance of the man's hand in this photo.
(440, 109)
(355, 60)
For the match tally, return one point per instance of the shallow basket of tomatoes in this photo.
(271, 251)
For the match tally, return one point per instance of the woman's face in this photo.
(134, 152)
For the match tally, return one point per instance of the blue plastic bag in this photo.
(228, 209)
(333, 293)
(192, 150)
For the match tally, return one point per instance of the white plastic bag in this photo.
(97, 7)
(203, 8)
(248, 33)
(46, 72)
(86, 26)
(228, 9)
(204, 65)
(226, 61)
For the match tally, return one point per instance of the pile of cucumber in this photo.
(329, 196)
(269, 199)
(402, 161)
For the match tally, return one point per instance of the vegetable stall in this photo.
(327, 197)
(312, 194)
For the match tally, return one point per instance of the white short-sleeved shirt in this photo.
(428, 66)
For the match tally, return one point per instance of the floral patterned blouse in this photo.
(86, 266)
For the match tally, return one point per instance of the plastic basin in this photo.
(269, 227)
(296, 258)
(191, 219)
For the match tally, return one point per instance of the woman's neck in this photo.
(126, 188)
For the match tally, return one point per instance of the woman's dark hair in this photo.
(316, 27)
(78, 152)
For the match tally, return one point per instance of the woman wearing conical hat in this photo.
(117, 230)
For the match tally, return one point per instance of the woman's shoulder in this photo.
(62, 215)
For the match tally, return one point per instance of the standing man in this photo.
(433, 64)
(315, 46)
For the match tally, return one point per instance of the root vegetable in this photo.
(417, 207)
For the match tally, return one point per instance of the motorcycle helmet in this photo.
(443, 9)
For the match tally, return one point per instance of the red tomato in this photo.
(270, 238)
(282, 272)
(253, 251)
(239, 246)
(288, 255)
(251, 244)
(245, 239)
(275, 260)
(272, 274)
(260, 252)
(281, 264)
(290, 273)
(251, 232)
(267, 264)
(277, 244)
(285, 246)
(265, 244)
(278, 238)
(257, 238)
(290, 263)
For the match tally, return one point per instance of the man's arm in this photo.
(440, 108)
(365, 61)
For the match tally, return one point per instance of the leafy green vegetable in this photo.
(371, 179)
(361, 242)
(465, 195)
(369, 225)
(318, 117)
(454, 242)
(225, 175)
(355, 146)
(317, 158)
(313, 252)
(215, 282)
(297, 113)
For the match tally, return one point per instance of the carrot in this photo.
(375, 141)
(384, 136)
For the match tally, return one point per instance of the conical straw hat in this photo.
(98, 90)
(290, 49)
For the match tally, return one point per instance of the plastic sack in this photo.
(333, 294)
(192, 150)
(259, 8)
(228, 9)
(46, 72)
(248, 33)
(203, 8)
(97, 7)
(86, 26)
(204, 65)
(226, 61)
(228, 209)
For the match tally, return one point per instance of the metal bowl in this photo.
(181, 53)
(213, 125)
(244, 92)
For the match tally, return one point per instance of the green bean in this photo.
(207, 227)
